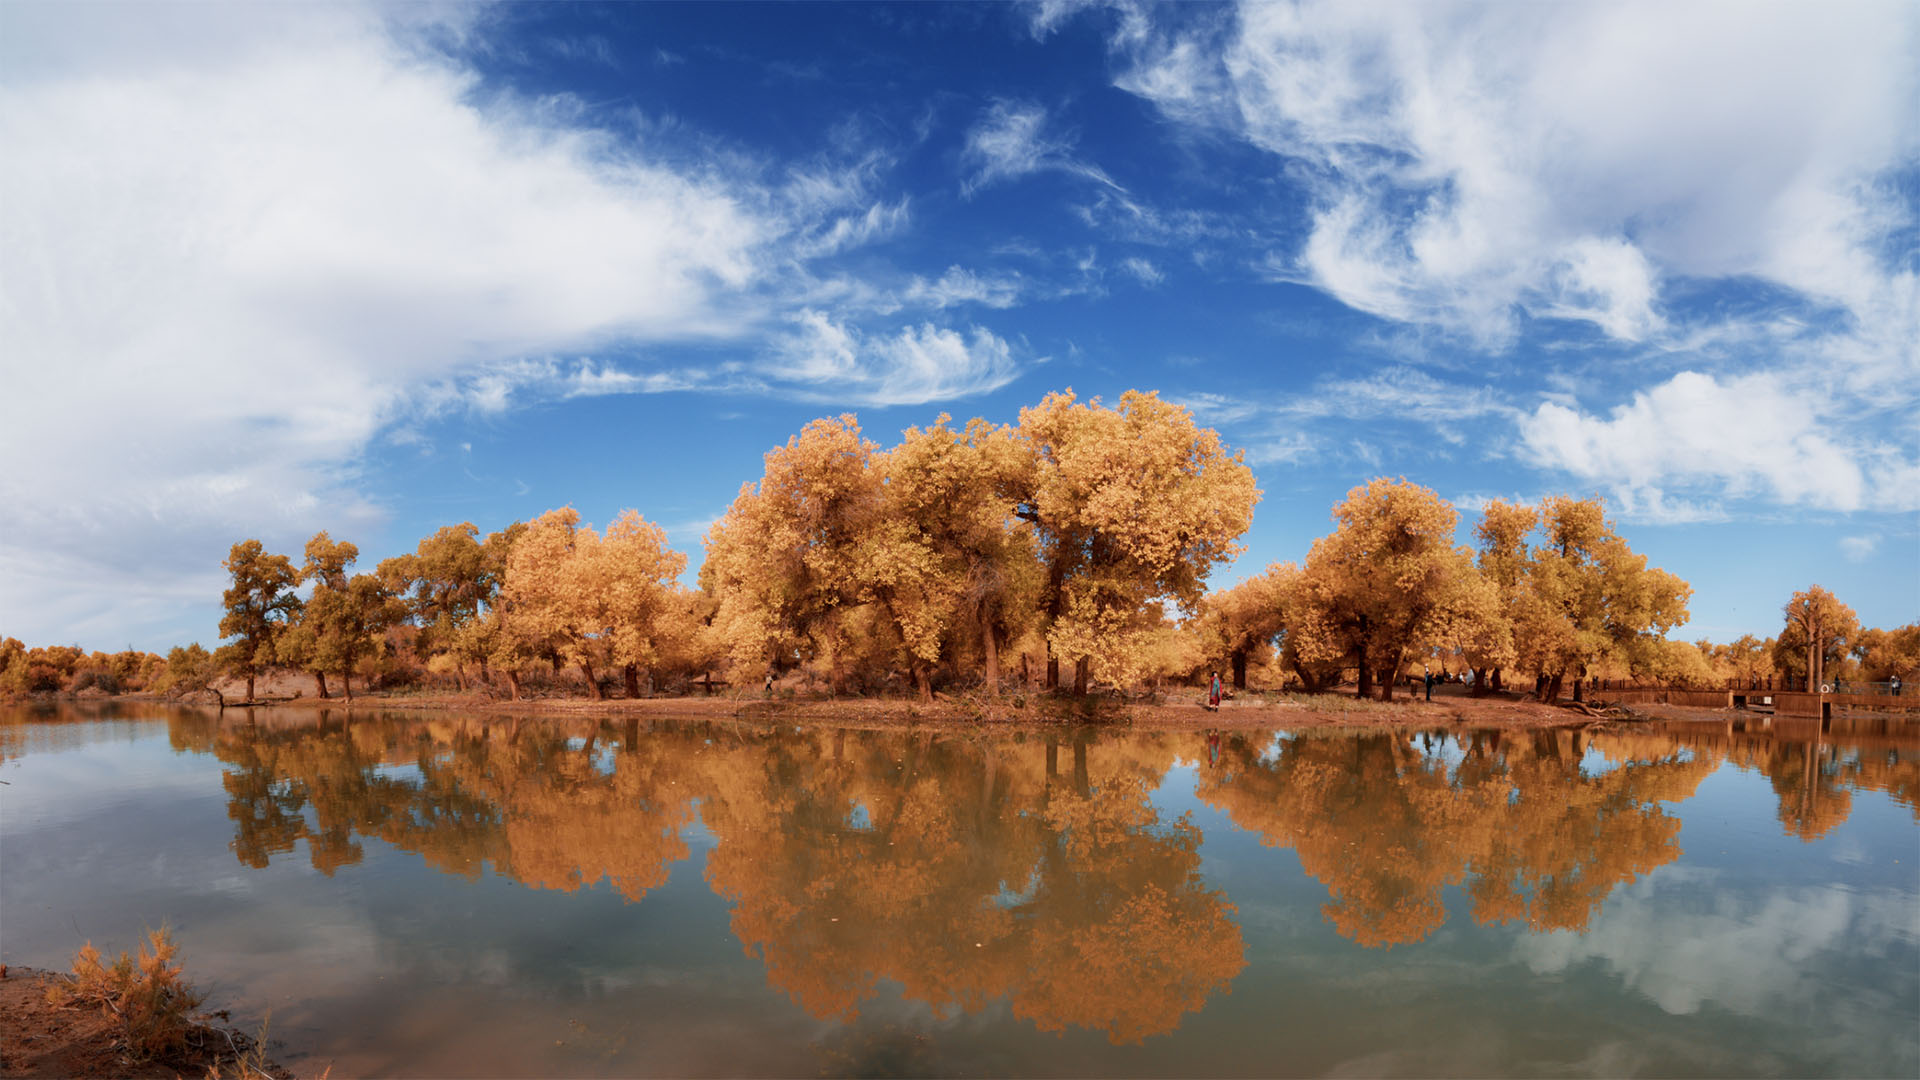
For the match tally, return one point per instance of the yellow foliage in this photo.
(1388, 584)
(147, 995)
(1131, 504)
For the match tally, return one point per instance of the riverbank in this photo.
(1181, 711)
(40, 1039)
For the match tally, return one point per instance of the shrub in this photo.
(104, 681)
(148, 995)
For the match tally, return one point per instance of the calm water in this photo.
(445, 896)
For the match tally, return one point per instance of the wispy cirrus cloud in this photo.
(1011, 140)
(911, 366)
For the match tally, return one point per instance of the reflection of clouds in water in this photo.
(1740, 954)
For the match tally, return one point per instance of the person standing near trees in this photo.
(1429, 675)
(1213, 693)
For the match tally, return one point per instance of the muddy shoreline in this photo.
(40, 1039)
(1450, 707)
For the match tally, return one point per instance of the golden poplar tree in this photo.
(632, 577)
(945, 557)
(1386, 583)
(1238, 625)
(784, 561)
(450, 583)
(256, 609)
(552, 609)
(1131, 504)
(341, 619)
(1819, 631)
(1589, 597)
(1887, 653)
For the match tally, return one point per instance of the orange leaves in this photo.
(1131, 504)
(593, 599)
(1387, 583)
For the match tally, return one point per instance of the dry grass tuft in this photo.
(153, 1003)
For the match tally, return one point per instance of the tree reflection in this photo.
(1387, 826)
(1815, 766)
(966, 871)
(545, 806)
(1034, 869)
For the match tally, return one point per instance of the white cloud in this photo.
(915, 365)
(1210, 408)
(237, 243)
(1011, 141)
(1046, 16)
(1274, 423)
(1143, 269)
(1747, 955)
(1859, 548)
(962, 286)
(1472, 161)
(1293, 448)
(1754, 434)
(1399, 391)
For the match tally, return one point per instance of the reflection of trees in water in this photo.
(1387, 826)
(531, 800)
(970, 871)
(1034, 869)
(965, 870)
(1814, 771)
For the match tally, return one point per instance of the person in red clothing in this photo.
(1213, 692)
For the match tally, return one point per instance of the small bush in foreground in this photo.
(147, 994)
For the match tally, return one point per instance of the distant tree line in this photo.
(1071, 548)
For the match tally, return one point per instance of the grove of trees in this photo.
(1071, 549)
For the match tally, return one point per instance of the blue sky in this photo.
(273, 269)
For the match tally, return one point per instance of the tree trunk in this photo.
(1080, 669)
(1386, 683)
(320, 680)
(1479, 682)
(1365, 688)
(1056, 596)
(513, 681)
(593, 684)
(1579, 680)
(1553, 687)
(346, 680)
(992, 649)
(1499, 681)
(922, 681)
(633, 681)
(249, 686)
(1239, 662)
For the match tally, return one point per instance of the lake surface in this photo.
(442, 895)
